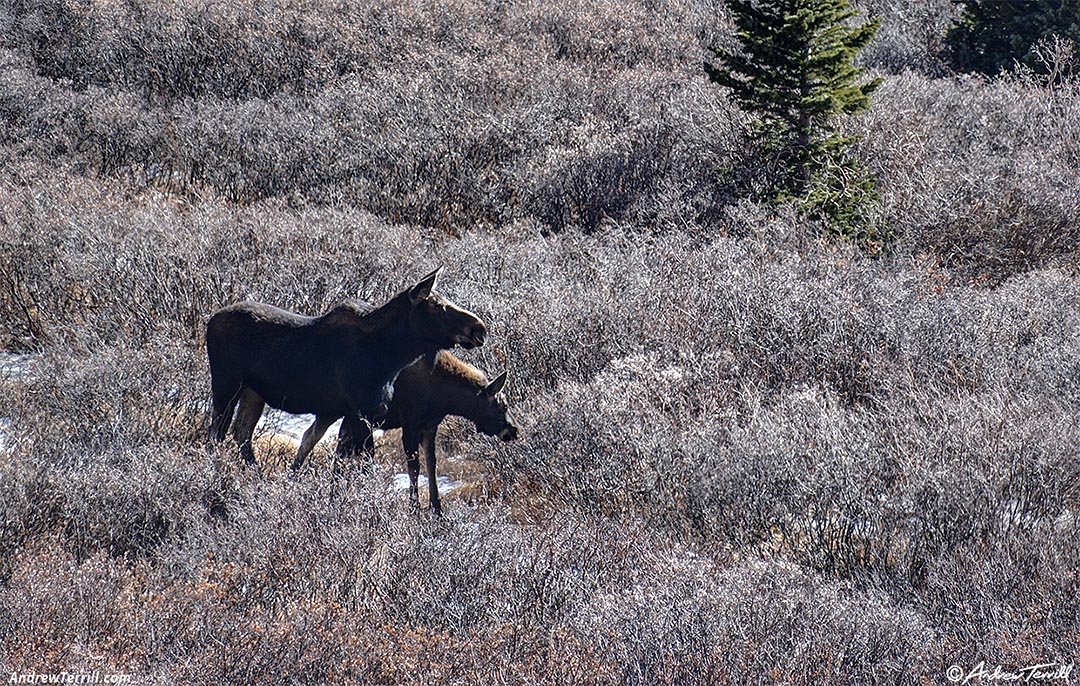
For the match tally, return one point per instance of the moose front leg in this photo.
(355, 438)
(311, 437)
(427, 439)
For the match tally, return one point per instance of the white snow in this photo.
(446, 484)
(291, 425)
(12, 365)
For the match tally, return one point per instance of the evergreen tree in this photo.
(996, 34)
(795, 72)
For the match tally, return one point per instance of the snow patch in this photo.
(446, 484)
(13, 366)
(294, 425)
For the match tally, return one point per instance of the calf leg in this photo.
(311, 437)
(249, 409)
(410, 441)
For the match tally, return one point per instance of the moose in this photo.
(425, 393)
(339, 365)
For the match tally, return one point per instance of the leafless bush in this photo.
(912, 35)
(1003, 199)
(685, 404)
(748, 454)
(309, 583)
(487, 116)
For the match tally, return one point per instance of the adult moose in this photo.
(425, 393)
(341, 364)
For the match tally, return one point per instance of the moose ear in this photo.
(495, 386)
(424, 287)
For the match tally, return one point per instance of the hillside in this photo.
(748, 453)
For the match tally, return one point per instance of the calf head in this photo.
(439, 322)
(493, 417)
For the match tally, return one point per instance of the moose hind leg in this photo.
(249, 408)
(225, 397)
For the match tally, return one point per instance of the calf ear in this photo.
(495, 386)
(424, 287)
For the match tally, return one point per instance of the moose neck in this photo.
(471, 405)
(391, 329)
(460, 394)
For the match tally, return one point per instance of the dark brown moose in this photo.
(425, 393)
(341, 364)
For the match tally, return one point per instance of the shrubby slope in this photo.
(748, 454)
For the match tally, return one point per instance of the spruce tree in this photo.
(992, 35)
(795, 72)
